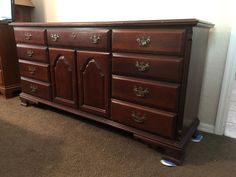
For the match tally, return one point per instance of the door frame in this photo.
(227, 84)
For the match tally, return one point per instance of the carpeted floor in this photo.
(45, 142)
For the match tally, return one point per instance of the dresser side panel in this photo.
(195, 74)
(9, 60)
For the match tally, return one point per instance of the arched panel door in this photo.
(62, 64)
(94, 82)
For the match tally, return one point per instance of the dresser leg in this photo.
(10, 92)
(170, 153)
(175, 156)
(6, 94)
(24, 102)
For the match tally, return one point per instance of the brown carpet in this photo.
(45, 142)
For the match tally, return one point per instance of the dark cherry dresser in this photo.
(143, 77)
(9, 70)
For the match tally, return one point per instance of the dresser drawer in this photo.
(30, 35)
(34, 70)
(36, 88)
(144, 118)
(34, 53)
(150, 93)
(80, 38)
(163, 41)
(148, 66)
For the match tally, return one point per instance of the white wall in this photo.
(218, 12)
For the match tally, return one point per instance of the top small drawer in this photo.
(163, 41)
(80, 37)
(30, 35)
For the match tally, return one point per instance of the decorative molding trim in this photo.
(206, 127)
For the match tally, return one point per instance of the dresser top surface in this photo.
(169, 22)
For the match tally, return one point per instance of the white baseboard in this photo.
(230, 130)
(206, 127)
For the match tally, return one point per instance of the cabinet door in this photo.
(62, 64)
(94, 82)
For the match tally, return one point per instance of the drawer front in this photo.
(34, 70)
(146, 66)
(36, 88)
(163, 41)
(30, 35)
(144, 118)
(34, 53)
(150, 93)
(80, 38)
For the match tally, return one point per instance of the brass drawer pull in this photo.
(32, 70)
(33, 88)
(28, 36)
(55, 37)
(142, 66)
(95, 39)
(140, 91)
(30, 53)
(143, 42)
(138, 118)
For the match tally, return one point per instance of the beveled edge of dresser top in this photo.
(169, 22)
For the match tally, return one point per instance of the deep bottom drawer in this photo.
(36, 88)
(144, 118)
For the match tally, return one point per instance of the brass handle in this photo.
(143, 42)
(33, 88)
(32, 70)
(28, 36)
(30, 53)
(138, 118)
(55, 37)
(140, 91)
(95, 39)
(142, 66)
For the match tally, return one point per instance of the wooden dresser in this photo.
(9, 70)
(143, 77)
